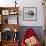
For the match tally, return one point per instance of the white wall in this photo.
(27, 3)
(38, 5)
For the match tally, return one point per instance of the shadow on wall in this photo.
(37, 29)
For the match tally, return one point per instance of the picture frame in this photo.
(29, 13)
(5, 12)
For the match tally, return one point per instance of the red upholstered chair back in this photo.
(29, 33)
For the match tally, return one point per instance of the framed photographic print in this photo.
(5, 12)
(30, 13)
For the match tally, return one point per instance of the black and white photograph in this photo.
(30, 13)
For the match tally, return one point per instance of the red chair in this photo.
(29, 33)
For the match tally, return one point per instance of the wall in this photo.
(27, 3)
(38, 5)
